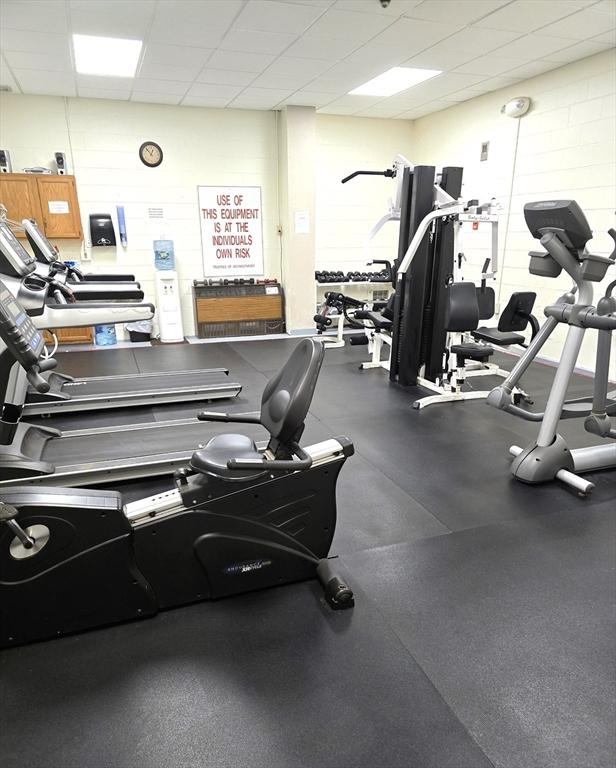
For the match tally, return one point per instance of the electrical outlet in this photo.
(485, 145)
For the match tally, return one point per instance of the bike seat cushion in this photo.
(212, 460)
(494, 336)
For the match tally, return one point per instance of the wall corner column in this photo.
(296, 185)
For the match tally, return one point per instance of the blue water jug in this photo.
(105, 335)
(164, 258)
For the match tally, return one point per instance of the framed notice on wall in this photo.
(231, 230)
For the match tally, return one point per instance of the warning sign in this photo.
(231, 230)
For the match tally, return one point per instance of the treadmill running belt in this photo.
(198, 380)
(109, 446)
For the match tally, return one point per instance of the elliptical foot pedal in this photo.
(337, 593)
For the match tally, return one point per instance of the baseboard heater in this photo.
(238, 309)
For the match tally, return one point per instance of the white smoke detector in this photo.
(516, 107)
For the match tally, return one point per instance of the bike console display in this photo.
(14, 259)
(22, 339)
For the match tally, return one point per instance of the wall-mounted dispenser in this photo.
(122, 225)
(101, 229)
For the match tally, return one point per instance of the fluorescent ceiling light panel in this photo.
(106, 56)
(393, 81)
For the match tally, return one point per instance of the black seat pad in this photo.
(212, 459)
(494, 336)
(472, 351)
(376, 318)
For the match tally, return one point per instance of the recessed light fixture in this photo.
(106, 56)
(393, 81)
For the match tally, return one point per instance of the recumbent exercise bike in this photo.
(239, 518)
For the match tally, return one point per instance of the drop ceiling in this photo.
(263, 54)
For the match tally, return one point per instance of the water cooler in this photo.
(168, 308)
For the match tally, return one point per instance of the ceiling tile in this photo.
(171, 87)
(199, 24)
(396, 8)
(260, 98)
(382, 110)
(105, 83)
(168, 72)
(356, 102)
(240, 62)
(438, 57)
(318, 3)
(319, 46)
(97, 93)
(490, 65)
(454, 11)
(426, 109)
(155, 98)
(286, 65)
(606, 37)
(210, 103)
(44, 61)
(49, 83)
(347, 25)
(403, 39)
(281, 82)
(533, 45)
(211, 91)
(270, 16)
(306, 98)
(532, 69)
(243, 41)
(478, 41)
(41, 15)
(464, 94)
(112, 18)
(177, 55)
(33, 42)
(582, 25)
(334, 109)
(528, 15)
(577, 51)
(494, 83)
(224, 77)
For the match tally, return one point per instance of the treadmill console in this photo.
(41, 247)
(22, 339)
(15, 261)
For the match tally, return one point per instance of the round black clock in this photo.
(150, 154)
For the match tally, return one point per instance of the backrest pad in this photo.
(514, 317)
(461, 308)
(287, 396)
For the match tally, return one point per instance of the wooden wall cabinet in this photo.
(50, 199)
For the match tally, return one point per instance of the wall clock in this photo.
(150, 154)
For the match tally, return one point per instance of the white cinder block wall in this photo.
(101, 139)
(345, 213)
(566, 149)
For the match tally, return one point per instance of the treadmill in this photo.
(102, 392)
(42, 455)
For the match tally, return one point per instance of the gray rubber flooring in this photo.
(483, 631)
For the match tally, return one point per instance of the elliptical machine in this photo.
(562, 229)
(239, 518)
